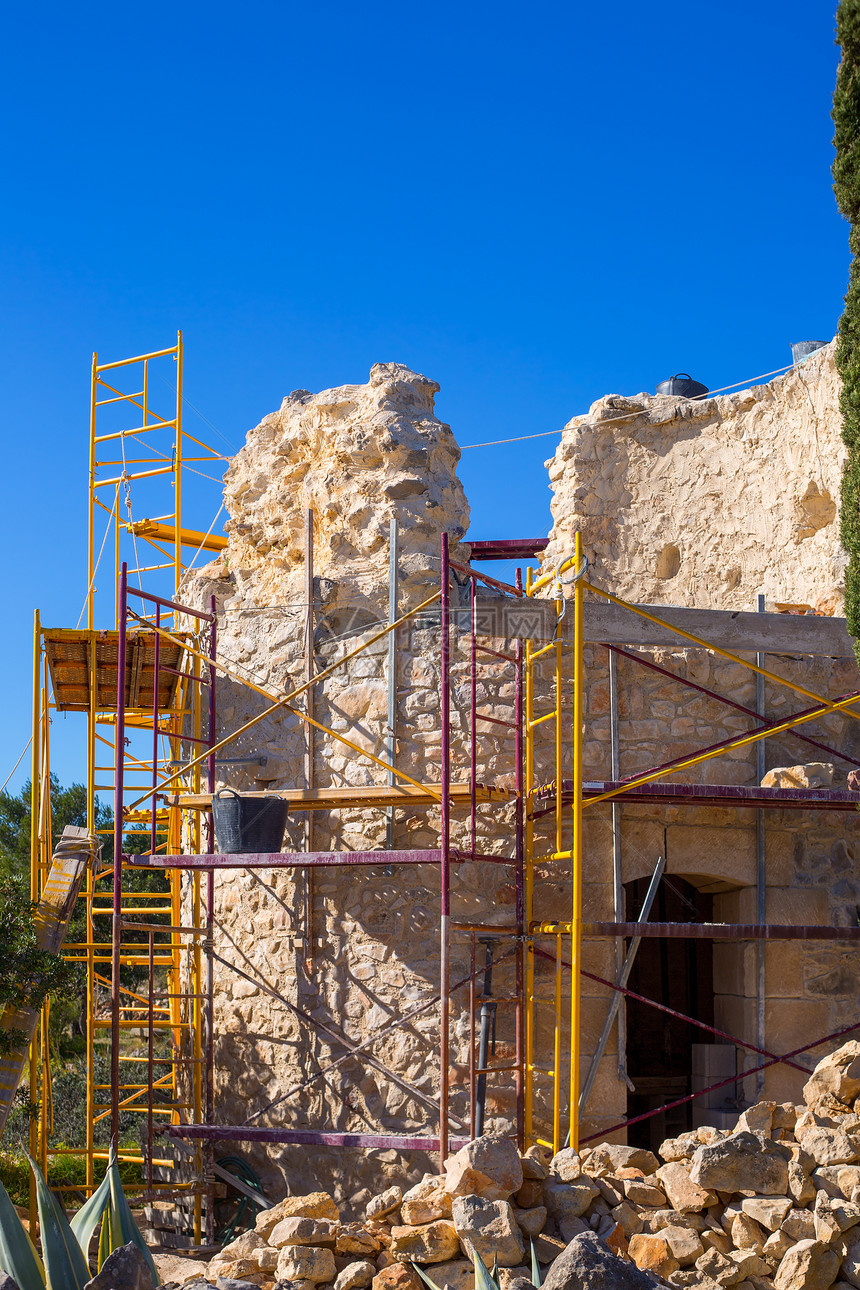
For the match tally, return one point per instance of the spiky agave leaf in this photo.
(424, 1277)
(123, 1228)
(65, 1266)
(18, 1255)
(535, 1265)
(495, 1272)
(87, 1218)
(483, 1280)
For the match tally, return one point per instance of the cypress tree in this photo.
(846, 186)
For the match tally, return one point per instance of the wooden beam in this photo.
(736, 630)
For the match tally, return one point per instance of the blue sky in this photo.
(534, 205)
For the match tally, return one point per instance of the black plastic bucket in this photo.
(248, 825)
(682, 384)
(801, 349)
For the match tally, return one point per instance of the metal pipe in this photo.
(473, 720)
(445, 847)
(619, 911)
(209, 942)
(393, 599)
(760, 870)
(708, 931)
(615, 650)
(116, 938)
(488, 1019)
(577, 849)
(519, 881)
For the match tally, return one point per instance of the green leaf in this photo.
(535, 1264)
(495, 1272)
(86, 1220)
(18, 1255)
(123, 1228)
(483, 1280)
(65, 1266)
(424, 1277)
(105, 1238)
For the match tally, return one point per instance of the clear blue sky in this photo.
(533, 204)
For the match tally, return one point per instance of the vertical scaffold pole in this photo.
(34, 888)
(116, 937)
(91, 527)
(576, 851)
(529, 885)
(391, 738)
(445, 847)
(520, 881)
(209, 1153)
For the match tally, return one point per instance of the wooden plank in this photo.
(328, 799)
(735, 630)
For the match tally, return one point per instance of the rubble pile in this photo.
(773, 1205)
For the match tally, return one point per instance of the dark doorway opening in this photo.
(680, 974)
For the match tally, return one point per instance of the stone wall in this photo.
(743, 487)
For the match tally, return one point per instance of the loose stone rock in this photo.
(808, 1265)
(489, 1167)
(303, 1231)
(398, 1276)
(384, 1204)
(306, 1263)
(743, 1162)
(356, 1276)
(588, 1264)
(124, 1269)
(317, 1205)
(652, 1254)
(488, 1227)
(432, 1243)
(682, 1193)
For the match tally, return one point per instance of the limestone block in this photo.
(808, 1265)
(685, 1244)
(431, 1243)
(515, 1278)
(427, 1201)
(174, 1268)
(768, 1211)
(489, 1228)
(397, 1276)
(628, 1217)
(800, 1187)
(836, 1180)
(531, 1221)
(830, 1146)
(776, 1245)
(608, 1158)
(652, 1254)
(458, 1274)
(720, 1241)
(838, 1073)
(242, 1247)
(266, 1258)
(587, 1262)
(682, 1193)
(530, 1194)
(306, 1263)
(799, 1224)
(384, 1204)
(303, 1231)
(569, 1200)
(640, 1192)
(758, 1118)
(814, 774)
(748, 1262)
(316, 1205)
(566, 1165)
(489, 1167)
(745, 1232)
(356, 1276)
(548, 1248)
(534, 1167)
(354, 1238)
(719, 1267)
(742, 1162)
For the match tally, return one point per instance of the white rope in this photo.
(17, 763)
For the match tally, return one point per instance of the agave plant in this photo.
(65, 1245)
(484, 1279)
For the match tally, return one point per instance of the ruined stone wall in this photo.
(743, 487)
(708, 502)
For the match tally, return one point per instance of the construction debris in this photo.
(773, 1205)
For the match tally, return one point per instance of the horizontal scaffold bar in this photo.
(707, 931)
(301, 1137)
(807, 799)
(305, 859)
(341, 798)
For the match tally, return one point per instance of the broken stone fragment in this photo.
(813, 774)
(589, 1264)
(685, 1244)
(743, 1162)
(776, 1246)
(838, 1073)
(489, 1228)
(719, 1267)
(767, 1211)
(639, 1192)
(533, 1165)
(652, 1253)
(489, 1167)
(355, 1277)
(566, 1165)
(530, 1194)
(531, 1221)
(758, 1118)
(124, 1269)
(266, 1258)
(800, 1186)
(303, 1231)
(354, 1238)
(397, 1276)
(306, 1263)
(569, 1200)
(808, 1265)
(431, 1243)
(608, 1158)
(830, 1146)
(316, 1205)
(799, 1224)
(458, 1274)
(548, 1248)
(242, 1248)
(682, 1193)
(425, 1202)
(384, 1204)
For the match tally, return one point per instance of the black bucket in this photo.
(683, 385)
(801, 349)
(248, 825)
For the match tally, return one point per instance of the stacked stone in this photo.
(773, 1205)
